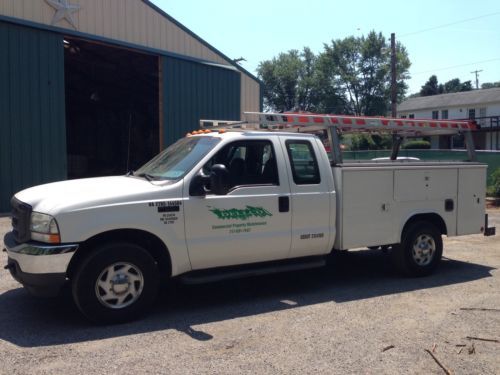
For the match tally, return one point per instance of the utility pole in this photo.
(396, 141)
(476, 72)
(394, 92)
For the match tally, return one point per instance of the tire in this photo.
(116, 283)
(420, 250)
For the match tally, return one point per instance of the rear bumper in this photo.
(41, 268)
(488, 231)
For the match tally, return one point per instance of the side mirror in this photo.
(197, 185)
(219, 179)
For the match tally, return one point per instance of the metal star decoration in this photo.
(63, 11)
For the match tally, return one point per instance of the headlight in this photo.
(44, 228)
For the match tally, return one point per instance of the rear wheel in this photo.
(420, 250)
(116, 283)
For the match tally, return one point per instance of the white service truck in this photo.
(233, 201)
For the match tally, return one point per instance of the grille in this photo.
(21, 214)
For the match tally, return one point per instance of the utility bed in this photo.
(374, 199)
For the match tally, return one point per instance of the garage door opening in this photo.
(112, 108)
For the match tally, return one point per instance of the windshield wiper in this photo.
(147, 176)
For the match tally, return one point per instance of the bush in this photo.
(494, 188)
(368, 142)
(417, 145)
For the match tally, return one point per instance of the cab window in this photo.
(303, 162)
(250, 162)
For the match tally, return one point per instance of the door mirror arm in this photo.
(197, 187)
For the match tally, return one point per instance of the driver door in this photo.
(252, 222)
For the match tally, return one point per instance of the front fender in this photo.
(79, 226)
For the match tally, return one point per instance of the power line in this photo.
(449, 24)
(456, 66)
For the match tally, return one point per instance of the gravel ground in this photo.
(333, 320)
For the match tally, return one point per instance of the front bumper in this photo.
(41, 268)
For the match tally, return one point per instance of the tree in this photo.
(490, 85)
(455, 85)
(350, 76)
(289, 82)
(467, 86)
(431, 87)
(359, 67)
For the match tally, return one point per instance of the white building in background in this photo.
(480, 105)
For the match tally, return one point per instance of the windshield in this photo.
(178, 159)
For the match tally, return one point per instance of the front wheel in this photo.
(420, 250)
(116, 283)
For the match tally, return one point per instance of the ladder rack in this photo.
(336, 124)
(305, 122)
(409, 127)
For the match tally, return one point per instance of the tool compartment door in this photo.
(471, 204)
(368, 208)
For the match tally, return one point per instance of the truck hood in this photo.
(90, 192)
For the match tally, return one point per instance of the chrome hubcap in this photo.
(119, 285)
(423, 249)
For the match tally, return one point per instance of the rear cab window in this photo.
(303, 162)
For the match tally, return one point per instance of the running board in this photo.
(237, 272)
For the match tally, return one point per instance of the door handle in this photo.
(284, 204)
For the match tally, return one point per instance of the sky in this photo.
(259, 30)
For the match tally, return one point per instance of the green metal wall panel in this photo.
(32, 109)
(193, 91)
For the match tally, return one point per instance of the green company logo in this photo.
(241, 214)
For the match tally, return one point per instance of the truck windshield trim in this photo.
(178, 159)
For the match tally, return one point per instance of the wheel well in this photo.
(147, 240)
(432, 218)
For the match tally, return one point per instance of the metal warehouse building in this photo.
(97, 87)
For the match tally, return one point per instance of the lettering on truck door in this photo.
(247, 224)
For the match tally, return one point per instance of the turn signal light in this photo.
(54, 238)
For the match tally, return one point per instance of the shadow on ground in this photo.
(29, 322)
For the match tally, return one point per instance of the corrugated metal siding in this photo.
(193, 91)
(250, 94)
(132, 21)
(32, 115)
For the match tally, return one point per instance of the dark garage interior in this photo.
(112, 108)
